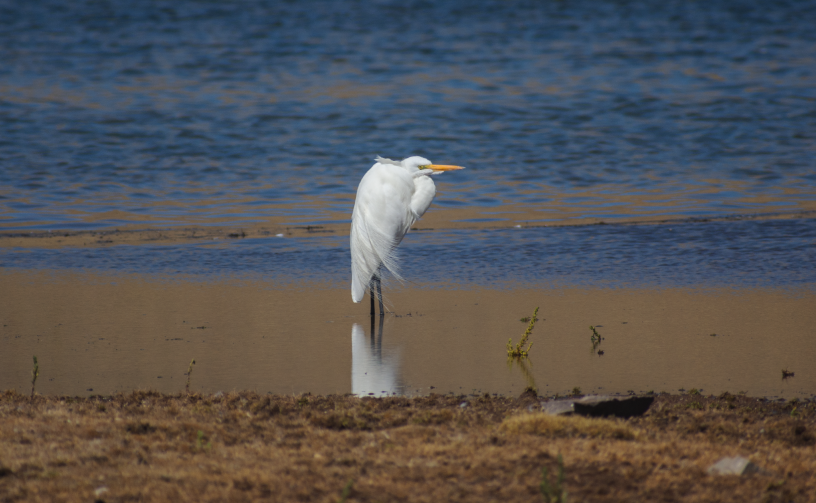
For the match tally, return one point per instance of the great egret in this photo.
(391, 196)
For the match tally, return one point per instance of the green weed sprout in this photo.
(35, 373)
(595, 337)
(519, 351)
(554, 493)
(200, 445)
(346, 492)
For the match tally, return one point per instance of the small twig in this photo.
(35, 373)
(189, 373)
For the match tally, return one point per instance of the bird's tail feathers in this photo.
(371, 253)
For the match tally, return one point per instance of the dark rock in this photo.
(600, 406)
(604, 406)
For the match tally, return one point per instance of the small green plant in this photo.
(775, 485)
(200, 445)
(189, 373)
(554, 493)
(595, 337)
(576, 391)
(694, 391)
(346, 492)
(786, 373)
(519, 351)
(35, 373)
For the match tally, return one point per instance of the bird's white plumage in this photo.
(390, 198)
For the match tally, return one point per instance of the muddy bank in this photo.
(148, 446)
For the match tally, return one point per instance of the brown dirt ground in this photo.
(147, 446)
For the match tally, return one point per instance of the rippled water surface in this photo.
(164, 113)
(765, 253)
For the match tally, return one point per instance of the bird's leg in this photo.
(371, 294)
(375, 280)
(379, 296)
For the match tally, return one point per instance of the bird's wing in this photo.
(424, 192)
(382, 215)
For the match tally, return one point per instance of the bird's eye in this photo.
(427, 166)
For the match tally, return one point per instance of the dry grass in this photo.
(146, 446)
(546, 425)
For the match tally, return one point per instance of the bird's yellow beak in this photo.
(442, 167)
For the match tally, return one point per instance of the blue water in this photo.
(704, 254)
(227, 113)
(172, 112)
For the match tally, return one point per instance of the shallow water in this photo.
(687, 128)
(103, 333)
(739, 254)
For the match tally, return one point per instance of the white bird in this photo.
(390, 198)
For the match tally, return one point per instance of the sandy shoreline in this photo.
(149, 446)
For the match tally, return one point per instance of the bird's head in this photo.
(417, 163)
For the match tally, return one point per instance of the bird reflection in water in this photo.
(372, 374)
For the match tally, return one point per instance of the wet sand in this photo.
(99, 333)
(147, 446)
